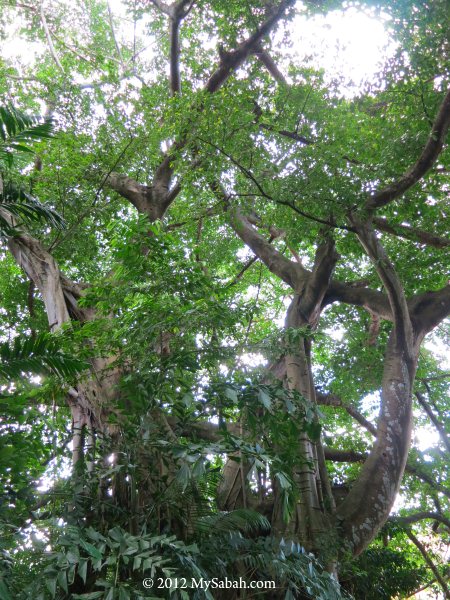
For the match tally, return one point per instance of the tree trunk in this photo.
(315, 504)
(367, 506)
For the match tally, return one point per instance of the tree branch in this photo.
(292, 135)
(49, 38)
(411, 233)
(162, 6)
(336, 455)
(113, 33)
(352, 456)
(416, 471)
(333, 400)
(325, 261)
(129, 188)
(161, 195)
(423, 164)
(178, 12)
(420, 516)
(440, 428)
(212, 433)
(230, 61)
(292, 273)
(348, 293)
(429, 309)
(429, 562)
(270, 64)
(391, 281)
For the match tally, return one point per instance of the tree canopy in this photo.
(224, 293)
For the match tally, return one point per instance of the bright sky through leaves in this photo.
(349, 45)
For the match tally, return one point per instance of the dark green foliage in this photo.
(383, 573)
(181, 308)
(19, 133)
(40, 354)
(25, 208)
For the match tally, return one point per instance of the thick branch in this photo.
(162, 6)
(411, 233)
(420, 516)
(292, 273)
(348, 293)
(270, 64)
(318, 283)
(178, 12)
(230, 61)
(130, 189)
(391, 281)
(175, 78)
(424, 163)
(429, 309)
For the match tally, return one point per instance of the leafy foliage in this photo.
(19, 132)
(189, 461)
(39, 354)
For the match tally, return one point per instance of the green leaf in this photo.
(264, 398)
(62, 580)
(313, 429)
(231, 394)
(82, 569)
(51, 586)
(91, 550)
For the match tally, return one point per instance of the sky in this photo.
(349, 45)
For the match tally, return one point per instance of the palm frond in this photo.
(38, 355)
(243, 519)
(25, 207)
(19, 131)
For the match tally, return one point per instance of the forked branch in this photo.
(391, 281)
(162, 193)
(270, 64)
(291, 272)
(230, 61)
